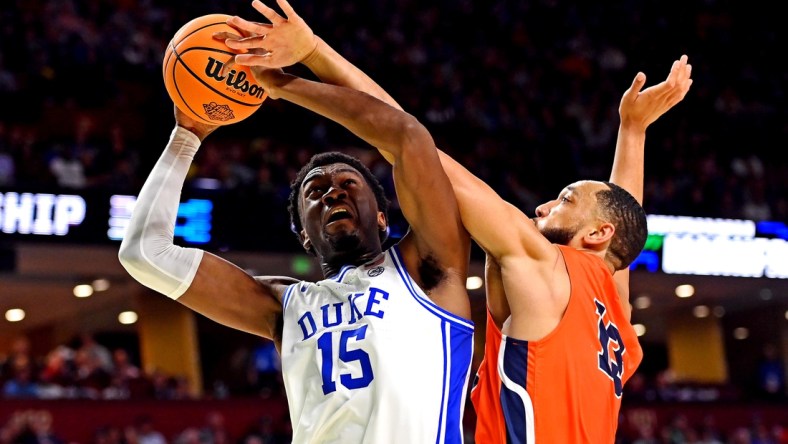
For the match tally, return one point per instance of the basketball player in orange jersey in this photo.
(559, 344)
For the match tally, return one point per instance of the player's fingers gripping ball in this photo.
(193, 75)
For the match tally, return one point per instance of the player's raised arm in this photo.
(638, 109)
(204, 282)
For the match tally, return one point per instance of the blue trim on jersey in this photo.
(515, 365)
(462, 345)
(441, 416)
(423, 300)
(342, 271)
(288, 293)
(457, 355)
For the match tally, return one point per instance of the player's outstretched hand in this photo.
(284, 42)
(642, 108)
(201, 130)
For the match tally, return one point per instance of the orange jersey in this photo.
(566, 387)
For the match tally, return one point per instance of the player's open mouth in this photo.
(338, 214)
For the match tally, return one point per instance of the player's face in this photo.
(339, 212)
(562, 219)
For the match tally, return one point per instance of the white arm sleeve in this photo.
(147, 251)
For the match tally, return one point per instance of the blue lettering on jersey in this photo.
(348, 312)
(337, 316)
(373, 293)
(610, 340)
(310, 328)
(355, 313)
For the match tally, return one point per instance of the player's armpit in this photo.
(494, 290)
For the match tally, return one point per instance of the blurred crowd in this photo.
(89, 369)
(681, 430)
(523, 92)
(39, 427)
(83, 369)
(36, 427)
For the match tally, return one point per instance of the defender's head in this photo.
(596, 215)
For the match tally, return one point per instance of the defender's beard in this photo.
(560, 236)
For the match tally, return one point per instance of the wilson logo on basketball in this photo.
(234, 79)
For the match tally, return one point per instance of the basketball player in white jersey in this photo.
(380, 350)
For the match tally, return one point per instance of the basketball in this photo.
(192, 70)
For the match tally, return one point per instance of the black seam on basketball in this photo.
(178, 56)
(183, 99)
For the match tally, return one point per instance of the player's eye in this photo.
(314, 191)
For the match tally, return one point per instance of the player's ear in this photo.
(602, 233)
(305, 242)
(382, 223)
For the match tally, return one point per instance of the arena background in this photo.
(524, 93)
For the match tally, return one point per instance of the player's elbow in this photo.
(133, 260)
(129, 254)
(414, 137)
(160, 266)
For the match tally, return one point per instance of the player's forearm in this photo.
(629, 160)
(482, 210)
(386, 128)
(147, 251)
(334, 69)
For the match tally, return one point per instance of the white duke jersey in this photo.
(367, 357)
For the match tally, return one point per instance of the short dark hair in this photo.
(618, 206)
(329, 158)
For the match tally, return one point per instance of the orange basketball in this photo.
(192, 69)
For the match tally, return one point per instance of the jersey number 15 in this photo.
(326, 345)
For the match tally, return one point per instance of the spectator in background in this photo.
(7, 167)
(29, 427)
(678, 431)
(264, 432)
(20, 355)
(96, 351)
(67, 168)
(771, 375)
(709, 432)
(214, 431)
(108, 435)
(91, 377)
(645, 435)
(265, 369)
(22, 384)
(146, 433)
(58, 375)
(122, 366)
(190, 435)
